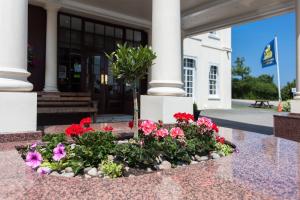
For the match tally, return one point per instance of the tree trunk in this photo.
(136, 111)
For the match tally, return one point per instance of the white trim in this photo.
(217, 95)
(193, 69)
(99, 12)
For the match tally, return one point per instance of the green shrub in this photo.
(286, 106)
(174, 150)
(93, 147)
(111, 169)
(137, 155)
(224, 148)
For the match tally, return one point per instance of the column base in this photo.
(164, 107)
(18, 112)
(50, 89)
(295, 105)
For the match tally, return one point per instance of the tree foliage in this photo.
(245, 86)
(286, 91)
(131, 64)
(239, 69)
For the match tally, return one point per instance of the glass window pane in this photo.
(64, 21)
(99, 41)
(119, 33)
(99, 29)
(64, 35)
(129, 34)
(75, 37)
(89, 27)
(76, 23)
(88, 39)
(137, 36)
(109, 31)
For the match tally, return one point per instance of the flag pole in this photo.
(278, 72)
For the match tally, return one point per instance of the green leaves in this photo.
(111, 169)
(130, 63)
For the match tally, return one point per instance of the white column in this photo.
(295, 104)
(13, 48)
(166, 42)
(51, 49)
(18, 106)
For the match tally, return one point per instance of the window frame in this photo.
(193, 81)
(217, 79)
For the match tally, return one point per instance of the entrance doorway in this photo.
(105, 89)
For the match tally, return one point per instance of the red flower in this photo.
(131, 124)
(215, 128)
(220, 139)
(86, 122)
(89, 129)
(108, 128)
(183, 117)
(74, 130)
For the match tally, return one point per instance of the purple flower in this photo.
(59, 152)
(44, 170)
(33, 146)
(34, 159)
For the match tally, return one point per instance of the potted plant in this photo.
(130, 64)
(196, 111)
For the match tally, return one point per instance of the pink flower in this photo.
(148, 127)
(176, 132)
(162, 133)
(203, 121)
(59, 152)
(34, 159)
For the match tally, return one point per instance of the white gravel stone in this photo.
(93, 172)
(149, 169)
(68, 170)
(127, 169)
(55, 173)
(194, 162)
(71, 174)
(215, 155)
(122, 141)
(201, 158)
(87, 169)
(131, 175)
(165, 165)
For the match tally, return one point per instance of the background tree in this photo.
(131, 64)
(245, 86)
(286, 91)
(239, 69)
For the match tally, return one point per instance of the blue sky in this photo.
(249, 40)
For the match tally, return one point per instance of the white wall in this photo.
(209, 50)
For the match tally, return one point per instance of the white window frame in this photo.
(217, 79)
(193, 69)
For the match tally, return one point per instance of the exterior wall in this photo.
(209, 49)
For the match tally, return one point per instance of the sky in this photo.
(249, 41)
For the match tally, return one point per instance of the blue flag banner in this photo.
(269, 55)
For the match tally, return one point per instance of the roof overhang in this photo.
(198, 16)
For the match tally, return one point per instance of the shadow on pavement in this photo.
(243, 126)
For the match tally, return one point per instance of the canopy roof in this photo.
(197, 15)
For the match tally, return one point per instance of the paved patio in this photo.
(266, 167)
(243, 117)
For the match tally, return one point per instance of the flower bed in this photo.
(98, 154)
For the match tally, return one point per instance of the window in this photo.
(189, 65)
(213, 35)
(213, 78)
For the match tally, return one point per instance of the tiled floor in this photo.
(266, 167)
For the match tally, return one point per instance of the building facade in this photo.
(207, 69)
(59, 45)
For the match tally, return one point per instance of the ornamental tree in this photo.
(130, 64)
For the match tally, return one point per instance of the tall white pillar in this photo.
(51, 49)
(13, 48)
(295, 104)
(166, 43)
(17, 103)
(166, 95)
